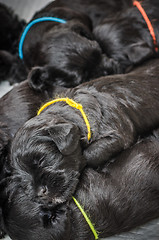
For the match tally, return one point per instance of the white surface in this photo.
(26, 8)
(4, 88)
(6, 238)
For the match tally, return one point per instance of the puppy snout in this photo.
(42, 191)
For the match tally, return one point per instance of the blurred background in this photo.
(26, 8)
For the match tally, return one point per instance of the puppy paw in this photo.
(2, 234)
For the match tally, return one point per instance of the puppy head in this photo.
(125, 39)
(29, 220)
(50, 152)
(67, 56)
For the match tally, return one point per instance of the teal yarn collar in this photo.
(38, 20)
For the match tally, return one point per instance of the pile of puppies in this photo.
(79, 150)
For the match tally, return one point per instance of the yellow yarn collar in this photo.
(86, 218)
(72, 103)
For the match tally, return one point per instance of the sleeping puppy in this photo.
(16, 107)
(54, 146)
(67, 46)
(96, 10)
(126, 38)
(10, 30)
(122, 195)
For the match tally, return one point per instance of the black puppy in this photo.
(53, 147)
(10, 29)
(97, 10)
(117, 198)
(126, 38)
(16, 107)
(11, 67)
(69, 47)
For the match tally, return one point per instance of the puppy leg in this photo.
(2, 232)
(12, 68)
(6, 60)
(100, 151)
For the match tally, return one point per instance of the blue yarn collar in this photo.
(42, 19)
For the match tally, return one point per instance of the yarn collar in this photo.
(38, 20)
(149, 25)
(73, 104)
(86, 218)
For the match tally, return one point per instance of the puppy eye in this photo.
(45, 218)
(86, 35)
(56, 214)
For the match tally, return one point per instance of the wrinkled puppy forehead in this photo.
(45, 136)
(35, 127)
(30, 135)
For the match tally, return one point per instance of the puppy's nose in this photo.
(42, 191)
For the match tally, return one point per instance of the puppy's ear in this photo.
(138, 52)
(82, 31)
(38, 77)
(111, 66)
(66, 137)
(41, 78)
